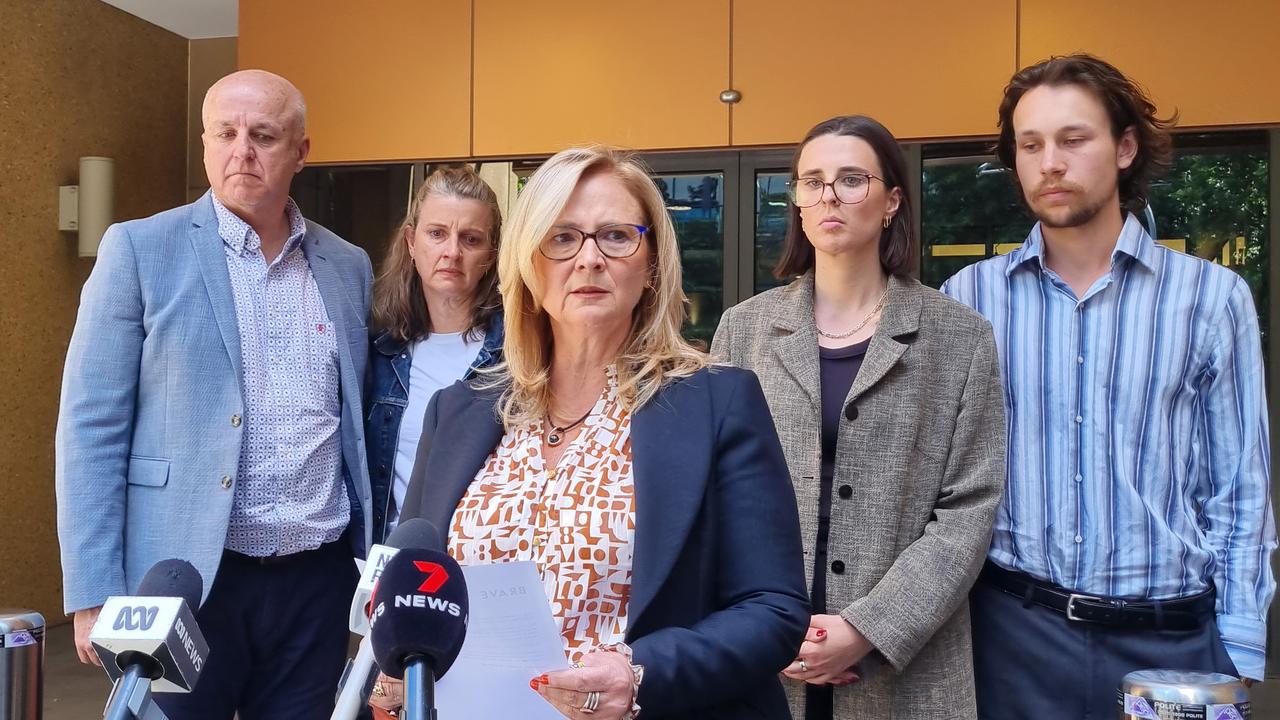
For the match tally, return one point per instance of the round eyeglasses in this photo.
(614, 241)
(849, 189)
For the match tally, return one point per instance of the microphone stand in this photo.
(419, 690)
(131, 698)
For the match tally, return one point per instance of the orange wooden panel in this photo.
(383, 81)
(921, 67)
(1216, 63)
(555, 73)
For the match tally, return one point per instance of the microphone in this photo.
(357, 680)
(150, 641)
(419, 621)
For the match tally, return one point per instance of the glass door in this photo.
(700, 192)
(764, 215)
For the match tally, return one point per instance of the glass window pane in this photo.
(971, 211)
(770, 227)
(363, 204)
(1213, 204)
(696, 204)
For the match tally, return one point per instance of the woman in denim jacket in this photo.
(436, 319)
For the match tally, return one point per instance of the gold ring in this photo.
(377, 690)
(804, 666)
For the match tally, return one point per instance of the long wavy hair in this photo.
(1127, 105)
(654, 352)
(399, 307)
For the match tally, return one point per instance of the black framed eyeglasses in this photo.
(614, 241)
(849, 189)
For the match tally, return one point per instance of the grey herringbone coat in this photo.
(925, 457)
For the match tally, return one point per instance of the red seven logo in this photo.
(437, 576)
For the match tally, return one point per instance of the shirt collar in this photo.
(1133, 242)
(241, 237)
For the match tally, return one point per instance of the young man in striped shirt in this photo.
(1137, 529)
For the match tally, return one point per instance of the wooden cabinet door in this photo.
(1215, 63)
(383, 81)
(555, 73)
(923, 68)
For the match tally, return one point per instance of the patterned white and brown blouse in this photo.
(576, 521)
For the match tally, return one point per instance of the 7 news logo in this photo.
(434, 577)
(437, 576)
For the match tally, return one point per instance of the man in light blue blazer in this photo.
(211, 411)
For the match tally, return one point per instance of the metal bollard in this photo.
(21, 665)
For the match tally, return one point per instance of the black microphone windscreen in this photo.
(416, 533)
(173, 578)
(419, 609)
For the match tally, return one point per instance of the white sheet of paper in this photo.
(511, 639)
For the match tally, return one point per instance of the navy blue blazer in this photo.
(718, 604)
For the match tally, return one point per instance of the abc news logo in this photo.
(135, 618)
(435, 576)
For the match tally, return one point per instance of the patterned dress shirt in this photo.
(290, 495)
(575, 521)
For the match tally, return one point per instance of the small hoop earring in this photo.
(887, 220)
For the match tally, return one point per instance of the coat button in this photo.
(837, 567)
(846, 491)
(851, 412)
(235, 420)
(226, 482)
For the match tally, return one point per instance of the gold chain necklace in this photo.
(866, 319)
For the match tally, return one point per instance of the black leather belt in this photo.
(1186, 613)
(278, 559)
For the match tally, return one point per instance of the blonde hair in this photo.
(654, 352)
(399, 307)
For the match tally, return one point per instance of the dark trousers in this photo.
(1031, 662)
(277, 639)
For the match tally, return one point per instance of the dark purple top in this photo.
(837, 369)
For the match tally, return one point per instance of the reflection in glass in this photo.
(1213, 204)
(771, 227)
(696, 204)
(363, 204)
(971, 211)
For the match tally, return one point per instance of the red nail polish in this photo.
(534, 683)
(821, 633)
(544, 679)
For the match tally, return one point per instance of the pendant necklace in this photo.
(556, 436)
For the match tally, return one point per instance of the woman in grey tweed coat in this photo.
(888, 401)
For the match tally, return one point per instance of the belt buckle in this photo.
(1071, 606)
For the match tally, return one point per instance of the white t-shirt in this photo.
(437, 362)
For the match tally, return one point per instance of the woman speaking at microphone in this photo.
(649, 489)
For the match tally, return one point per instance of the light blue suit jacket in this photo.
(147, 451)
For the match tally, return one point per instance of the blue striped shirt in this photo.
(1138, 464)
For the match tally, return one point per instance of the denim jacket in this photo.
(387, 396)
